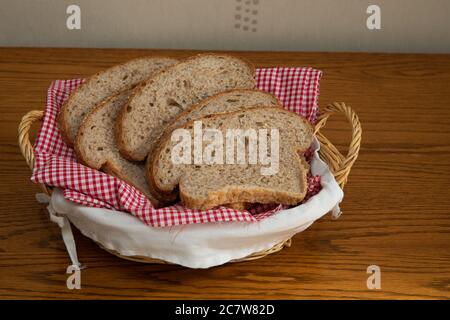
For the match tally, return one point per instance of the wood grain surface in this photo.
(396, 206)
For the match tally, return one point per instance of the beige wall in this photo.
(300, 25)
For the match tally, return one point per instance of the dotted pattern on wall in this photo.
(246, 13)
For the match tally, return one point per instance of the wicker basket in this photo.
(339, 164)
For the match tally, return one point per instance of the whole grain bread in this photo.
(96, 146)
(203, 186)
(173, 90)
(228, 101)
(224, 102)
(102, 85)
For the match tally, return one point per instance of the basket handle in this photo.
(340, 165)
(24, 140)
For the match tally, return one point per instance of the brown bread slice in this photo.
(96, 146)
(205, 186)
(223, 102)
(172, 91)
(102, 85)
(228, 101)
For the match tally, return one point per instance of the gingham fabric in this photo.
(56, 164)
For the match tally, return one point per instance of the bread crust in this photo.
(122, 145)
(61, 118)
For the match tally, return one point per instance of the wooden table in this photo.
(396, 207)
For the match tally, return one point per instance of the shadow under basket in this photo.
(339, 164)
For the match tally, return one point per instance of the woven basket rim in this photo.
(339, 164)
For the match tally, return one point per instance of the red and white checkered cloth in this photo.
(56, 165)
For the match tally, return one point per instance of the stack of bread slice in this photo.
(204, 186)
(126, 115)
(102, 85)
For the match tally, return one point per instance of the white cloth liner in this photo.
(194, 245)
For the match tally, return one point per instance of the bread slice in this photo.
(204, 186)
(102, 85)
(96, 146)
(223, 102)
(228, 101)
(172, 91)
